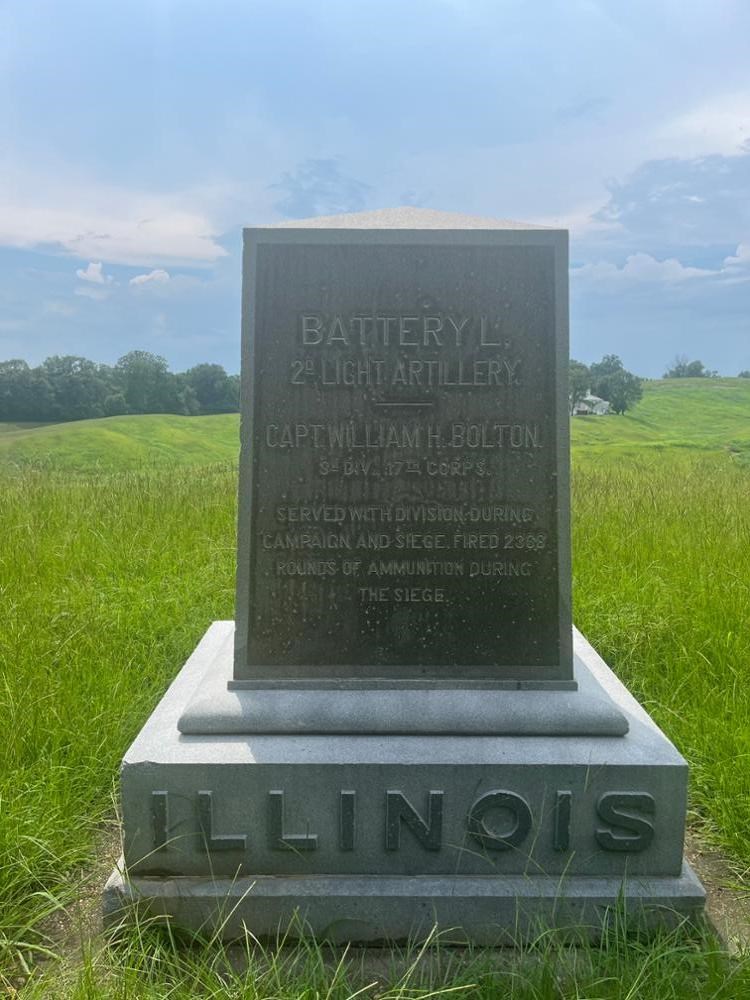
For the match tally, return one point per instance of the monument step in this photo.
(486, 911)
(220, 707)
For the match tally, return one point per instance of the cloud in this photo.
(697, 202)
(638, 269)
(740, 260)
(641, 269)
(103, 222)
(156, 277)
(94, 274)
(318, 187)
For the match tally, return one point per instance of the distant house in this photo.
(591, 405)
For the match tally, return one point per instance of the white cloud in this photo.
(736, 268)
(157, 277)
(643, 269)
(94, 273)
(640, 268)
(101, 222)
(741, 258)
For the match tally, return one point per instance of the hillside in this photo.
(686, 415)
(116, 443)
(693, 414)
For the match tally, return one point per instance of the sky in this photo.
(138, 138)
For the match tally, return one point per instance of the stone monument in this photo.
(403, 728)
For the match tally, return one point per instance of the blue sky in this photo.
(139, 138)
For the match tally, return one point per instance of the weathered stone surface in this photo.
(485, 911)
(581, 805)
(404, 470)
(220, 707)
(476, 832)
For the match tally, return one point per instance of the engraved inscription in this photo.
(499, 820)
(502, 802)
(563, 814)
(620, 810)
(404, 514)
(399, 810)
(278, 838)
(160, 819)
(211, 840)
(347, 820)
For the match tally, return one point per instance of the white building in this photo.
(591, 405)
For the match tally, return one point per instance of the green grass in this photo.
(690, 415)
(114, 444)
(106, 584)
(108, 580)
(662, 589)
(154, 966)
(686, 415)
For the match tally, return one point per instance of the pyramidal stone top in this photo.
(404, 217)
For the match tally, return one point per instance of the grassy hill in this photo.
(693, 415)
(121, 443)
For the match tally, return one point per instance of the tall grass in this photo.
(107, 582)
(662, 588)
(151, 966)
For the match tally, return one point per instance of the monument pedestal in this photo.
(366, 837)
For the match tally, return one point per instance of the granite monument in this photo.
(403, 728)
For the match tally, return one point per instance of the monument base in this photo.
(371, 909)
(221, 706)
(370, 837)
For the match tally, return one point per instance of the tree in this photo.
(16, 401)
(578, 382)
(78, 387)
(188, 402)
(115, 404)
(682, 368)
(611, 381)
(234, 391)
(146, 383)
(212, 387)
(609, 364)
(744, 374)
(68, 387)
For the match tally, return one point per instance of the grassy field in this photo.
(116, 444)
(108, 580)
(690, 415)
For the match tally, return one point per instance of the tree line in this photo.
(682, 368)
(608, 379)
(69, 387)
